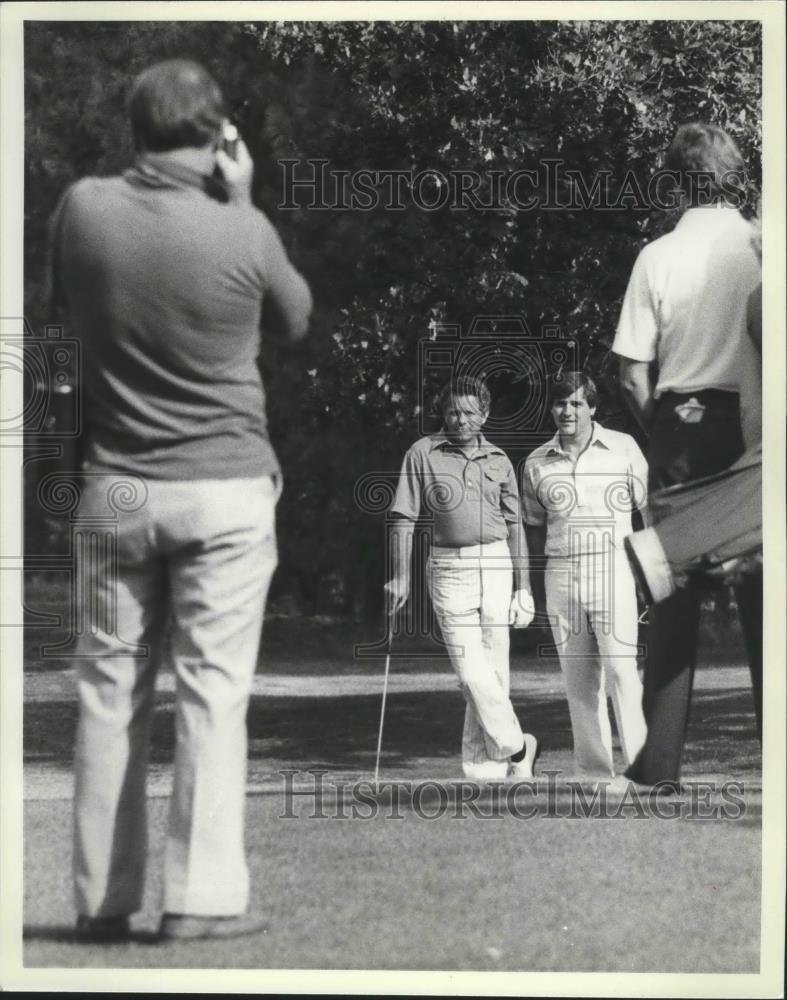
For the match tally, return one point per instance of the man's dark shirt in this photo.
(163, 284)
(471, 501)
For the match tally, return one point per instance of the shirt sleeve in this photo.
(509, 497)
(54, 292)
(638, 327)
(407, 501)
(287, 304)
(534, 513)
(638, 475)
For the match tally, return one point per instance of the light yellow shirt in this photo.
(586, 505)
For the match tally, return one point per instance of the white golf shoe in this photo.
(523, 770)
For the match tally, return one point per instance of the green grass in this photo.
(546, 893)
(540, 894)
(637, 895)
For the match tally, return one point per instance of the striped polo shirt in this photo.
(467, 501)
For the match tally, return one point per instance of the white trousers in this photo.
(186, 579)
(592, 604)
(471, 594)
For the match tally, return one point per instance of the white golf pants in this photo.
(592, 604)
(471, 592)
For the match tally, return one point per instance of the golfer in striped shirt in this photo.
(466, 488)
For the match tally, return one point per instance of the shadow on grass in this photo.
(64, 934)
(300, 645)
(339, 732)
(323, 730)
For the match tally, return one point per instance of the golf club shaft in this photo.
(382, 707)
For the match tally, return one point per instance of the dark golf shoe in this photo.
(102, 930)
(185, 927)
(523, 770)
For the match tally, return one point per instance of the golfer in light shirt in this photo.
(578, 492)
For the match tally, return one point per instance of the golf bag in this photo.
(708, 530)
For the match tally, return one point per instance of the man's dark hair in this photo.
(174, 104)
(706, 150)
(465, 385)
(566, 384)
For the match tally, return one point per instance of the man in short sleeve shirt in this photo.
(578, 493)
(684, 352)
(467, 488)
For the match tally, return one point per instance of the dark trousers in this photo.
(680, 452)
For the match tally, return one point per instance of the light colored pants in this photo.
(592, 604)
(189, 582)
(471, 593)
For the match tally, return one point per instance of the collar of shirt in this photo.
(164, 172)
(709, 215)
(598, 437)
(485, 448)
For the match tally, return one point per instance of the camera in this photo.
(49, 367)
(502, 351)
(229, 142)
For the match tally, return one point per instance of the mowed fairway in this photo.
(459, 891)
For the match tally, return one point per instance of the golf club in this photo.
(385, 693)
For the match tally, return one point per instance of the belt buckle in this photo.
(691, 412)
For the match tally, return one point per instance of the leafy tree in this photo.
(603, 98)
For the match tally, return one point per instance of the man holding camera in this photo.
(467, 487)
(165, 273)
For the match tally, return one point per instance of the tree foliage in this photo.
(603, 98)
